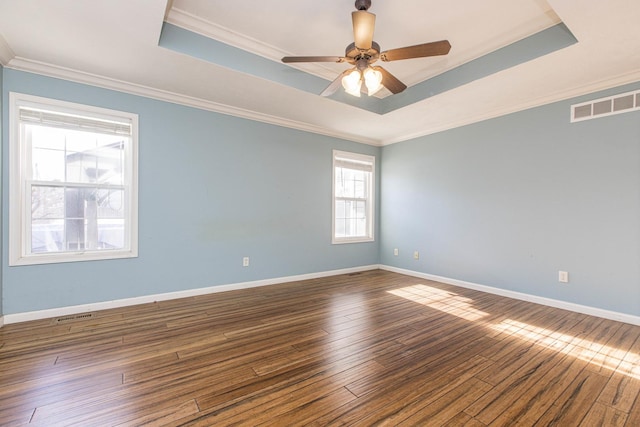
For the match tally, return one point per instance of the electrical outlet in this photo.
(245, 261)
(563, 277)
(416, 255)
(395, 251)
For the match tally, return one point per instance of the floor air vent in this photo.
(603, 107)
(73, 318)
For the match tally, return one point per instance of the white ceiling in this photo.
(114, 44)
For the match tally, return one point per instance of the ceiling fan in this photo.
(364, 51)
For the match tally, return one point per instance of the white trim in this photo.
(77, 309)
(49, 70)
(198, 25)
(23, 64)
(370, 200)
(233, 38)
(6, 54)
(578, 308)
(84, 308)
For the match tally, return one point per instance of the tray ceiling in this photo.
(126, 46)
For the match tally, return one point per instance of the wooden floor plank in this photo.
(620, 392)
(577, 400)
(443, 409)
(603, 415)
(163, 417)
(372, 348)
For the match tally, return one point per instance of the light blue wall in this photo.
(511, 201)
(506, 203)
(1, 186)
(213, 188)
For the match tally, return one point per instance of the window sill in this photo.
(71, 257)
(341, 241)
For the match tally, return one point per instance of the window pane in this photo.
(110, 162)
(351, 183)
(361, 227)
(110, 203)
(47, 236)
(350, 218)
(110, 234)
(359, 187)
(48, 152)
(340, 209)
(339, 184)
(74, 234)
(348, 183)
(81, 167)
(47, 202)
(359, 210)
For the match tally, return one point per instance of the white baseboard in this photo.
(84, 308)
(592, 311)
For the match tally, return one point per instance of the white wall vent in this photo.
(602, 107)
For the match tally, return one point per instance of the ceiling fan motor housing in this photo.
(363, 4)
(352, 52)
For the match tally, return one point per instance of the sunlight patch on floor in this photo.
(445, 301)
(600, 355)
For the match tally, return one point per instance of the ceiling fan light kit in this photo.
(352, 81)
(364, 51)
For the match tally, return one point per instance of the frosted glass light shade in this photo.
(352, 83)
(373, 80)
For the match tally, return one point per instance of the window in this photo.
(73, 182)
(353, 180)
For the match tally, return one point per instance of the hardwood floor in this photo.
(374, 348)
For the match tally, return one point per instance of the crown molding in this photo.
(23, 64)
(49, 70)
(233, 38)
(225, 35)
(6, 54)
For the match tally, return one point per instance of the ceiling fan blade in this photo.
(363, 25)
(335, 85)
(441, 47)
(390, 81)
(288, 59)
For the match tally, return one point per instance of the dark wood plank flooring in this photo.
(373, 348)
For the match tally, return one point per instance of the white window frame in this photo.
(360, 162)
(20, 177)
